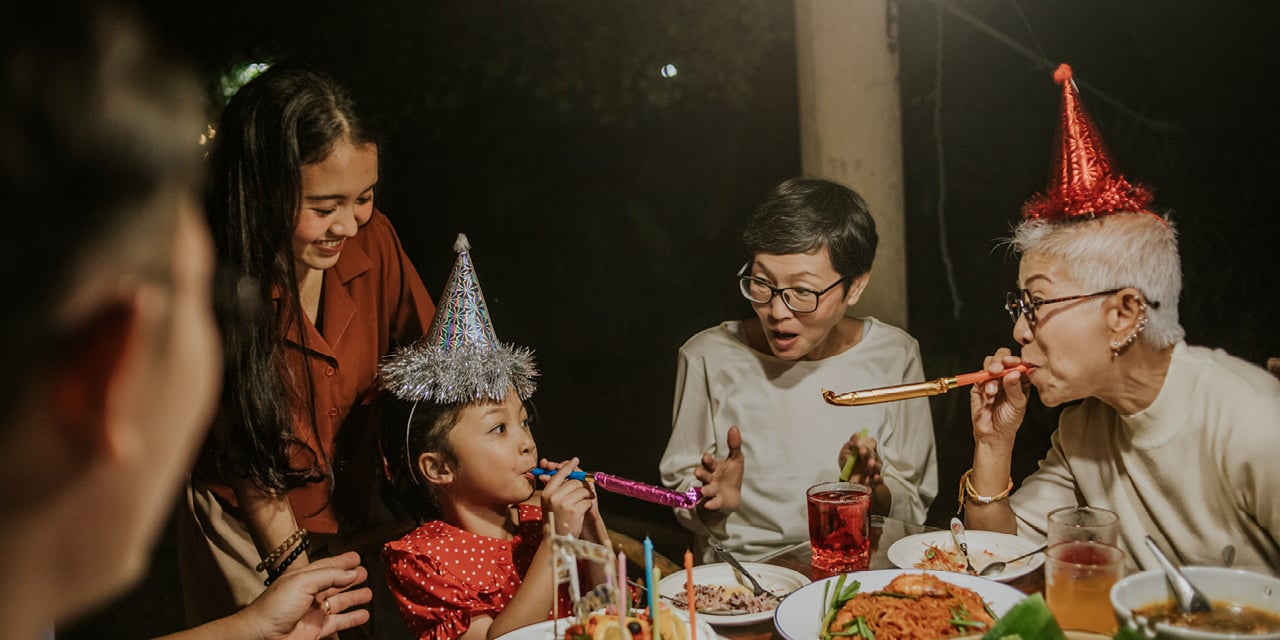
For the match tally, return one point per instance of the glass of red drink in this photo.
(839, 524)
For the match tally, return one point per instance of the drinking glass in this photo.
(1078, 577)
(839, 522)
(1083, 524)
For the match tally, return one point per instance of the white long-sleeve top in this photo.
(791, 437)
(1199, 469)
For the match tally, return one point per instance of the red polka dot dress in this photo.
(442, 576)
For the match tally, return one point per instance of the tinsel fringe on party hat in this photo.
(460, 359)
(1083, 181)
(468, 373)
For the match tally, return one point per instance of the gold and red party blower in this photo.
(916, 389)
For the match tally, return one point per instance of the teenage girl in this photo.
(325, 291)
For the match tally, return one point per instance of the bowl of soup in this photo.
(1245, 605)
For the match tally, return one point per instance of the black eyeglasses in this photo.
(1021, 303)
(797, 299)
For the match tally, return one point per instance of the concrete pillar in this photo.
(851, 126)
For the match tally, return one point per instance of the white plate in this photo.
(800, 614)
(554, 630)
(985, 547)
(779, 580)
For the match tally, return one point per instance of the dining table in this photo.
(883, 533)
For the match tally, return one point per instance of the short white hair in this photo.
(1120, 250)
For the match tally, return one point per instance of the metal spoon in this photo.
(999, 565)
(1189, 598)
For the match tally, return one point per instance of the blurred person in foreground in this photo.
(1179, 441)
(112, 359)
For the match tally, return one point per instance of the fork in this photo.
(714, 543)
(957, 534)
(756, 588)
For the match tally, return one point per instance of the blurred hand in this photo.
(998, 406)
(293, 607)
(867, 468)
(722, 478)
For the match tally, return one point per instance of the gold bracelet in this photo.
(280, 550)
(967, 492)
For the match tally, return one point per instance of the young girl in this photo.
(291, 470)
(482, 566)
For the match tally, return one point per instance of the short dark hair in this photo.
(100, 125)
(804, 214)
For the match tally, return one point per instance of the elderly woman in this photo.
(809, 250)
(1179, 441)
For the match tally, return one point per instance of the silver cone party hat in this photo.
(460, 359)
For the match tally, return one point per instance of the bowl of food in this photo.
(1245, 604)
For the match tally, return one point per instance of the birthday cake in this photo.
(604, 626)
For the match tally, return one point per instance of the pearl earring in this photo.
(1118, 346)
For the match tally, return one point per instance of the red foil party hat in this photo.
(1083, 181)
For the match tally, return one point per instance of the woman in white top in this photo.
(1179, 441)
(810, 246)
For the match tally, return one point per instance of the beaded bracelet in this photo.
(967, 492)
(272, 574)
(279, 551)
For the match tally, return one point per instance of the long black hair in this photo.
(291, 115)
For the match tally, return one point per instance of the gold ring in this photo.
(328, 608)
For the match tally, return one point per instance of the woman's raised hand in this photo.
(998, 405)
(867, 467)
(721, 478)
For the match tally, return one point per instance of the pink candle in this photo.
(688, 590)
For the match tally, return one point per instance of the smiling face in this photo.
(1069, 341)
(337, 198)
(493, 451)
(802, 336)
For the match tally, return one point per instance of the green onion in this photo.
(847, 469)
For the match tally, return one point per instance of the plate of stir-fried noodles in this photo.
(894, 604)
(937, 551)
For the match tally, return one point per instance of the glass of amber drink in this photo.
(839, 524)
(1078, 577)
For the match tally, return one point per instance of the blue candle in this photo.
(651, 588)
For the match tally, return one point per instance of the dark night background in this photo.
(603, 202)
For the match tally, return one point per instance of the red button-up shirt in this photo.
(373, 300)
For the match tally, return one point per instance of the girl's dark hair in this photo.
(805, 214)
(421, 427)
(289, 116)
